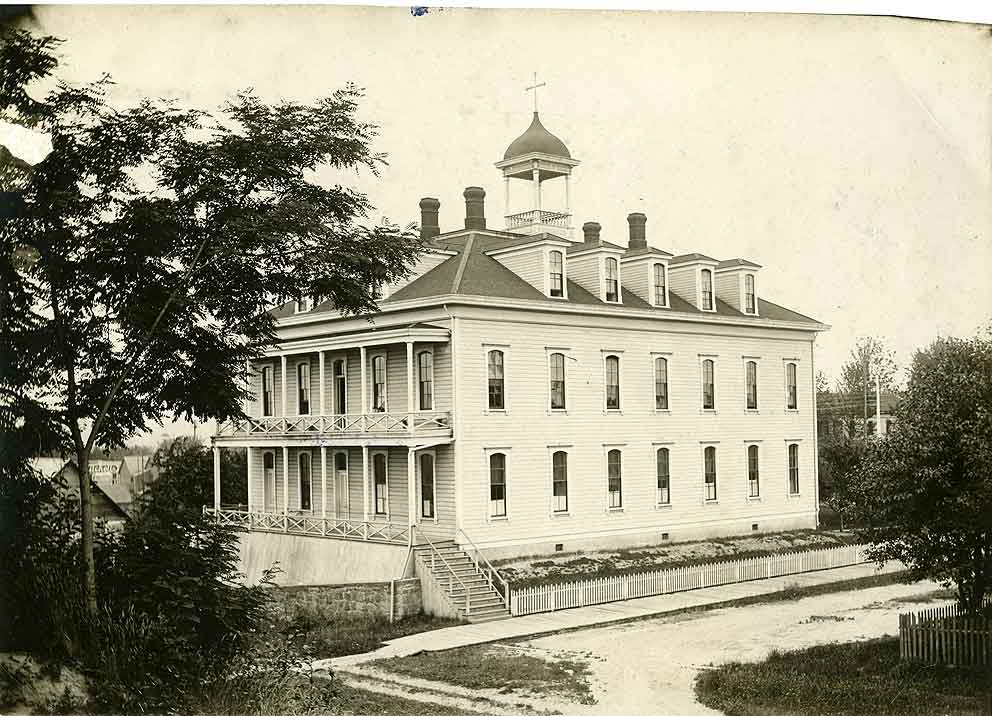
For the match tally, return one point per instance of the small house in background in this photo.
(838, 414)
(104, 506)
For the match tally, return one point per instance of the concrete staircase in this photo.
(455, 573)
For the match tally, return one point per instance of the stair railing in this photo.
(487, 570)
(451, 576)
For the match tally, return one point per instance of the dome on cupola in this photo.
(538, 140)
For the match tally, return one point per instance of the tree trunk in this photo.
(86, 517)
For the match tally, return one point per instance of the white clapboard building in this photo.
(525, 392)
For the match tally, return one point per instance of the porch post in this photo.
(411, 489)
(365, 482)
(251, 502)
(411, 394)
(365, 394)
(246, 405)
(285, 480)
(285, 380)
(217, 481)
(323, 482)
(320, 387)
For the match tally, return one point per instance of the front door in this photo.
(341, 484)
(269, 481)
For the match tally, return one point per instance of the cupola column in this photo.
(536, 173)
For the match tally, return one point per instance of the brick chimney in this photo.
(638, 237)
(475, 207)
(590, 231)
(429, 227)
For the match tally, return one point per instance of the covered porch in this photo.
(368, 491)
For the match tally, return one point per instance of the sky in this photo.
(849, 156)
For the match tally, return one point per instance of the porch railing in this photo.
(487, 570)
(446, 577)
(537, 216)
(299, 523)
(351, 423)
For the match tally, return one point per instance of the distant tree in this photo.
(924, 493)
(186, 470)
(822, 382)
(870, 359)
(154, 240)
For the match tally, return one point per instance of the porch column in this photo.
(364, 391)
(365, 482)
(251, 502)
(411, 489)
(285, 380)
(411, 390)
(323, 481)
(320, 386)
(246, 404)
(285, 478)
(217, 479)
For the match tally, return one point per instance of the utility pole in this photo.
(866, 398)
(878, 405)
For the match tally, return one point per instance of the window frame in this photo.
(615, 355)
(489, 453)
(335, 407)
(716, 475)
(748, 362)
(655, 357)
(551, 274)
(385, 381)
(789, 444)
(304, 363)
(275, 481)
(420, 485)
(488, 348)
(707, 272)
(553, 506)
(271, 367)
(298, 305)
(304, 453)
(551, 352)
(750, 297)
(753, 491)
(375, 497)
(703, 359)
(654, 284)
(429, 351)
(607, 280)
(795, 369)
(659, 503)
(607, 451)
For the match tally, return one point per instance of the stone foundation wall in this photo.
(394, 600)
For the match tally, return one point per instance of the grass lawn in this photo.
(356, 702)
(501, 667)
(319, 637)
(844, 680)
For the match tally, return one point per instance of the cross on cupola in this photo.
(537, 156)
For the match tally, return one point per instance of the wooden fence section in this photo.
(946, 635)
(551, 597)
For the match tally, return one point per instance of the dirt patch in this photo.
(566, 567)
(28, 687)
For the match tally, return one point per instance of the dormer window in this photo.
(707, 289)
(660, 292)
(749, 293)
(303, 305)
(612, 281)
(556, 276)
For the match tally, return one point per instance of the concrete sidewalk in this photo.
(613, 612)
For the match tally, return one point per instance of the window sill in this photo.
(752, 411)
(663, 506)
(558, 411)
(794, 495)
(496, 411)
(501, 518)
(561, 514)
(614, 510)
(662, 411)
(754, 499)
(711, 502)
(613, 411)
(792, 410)
(707, 411)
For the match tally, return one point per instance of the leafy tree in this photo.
(156, 240)
(924, 492)
(870, 359)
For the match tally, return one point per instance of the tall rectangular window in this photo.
(612, 281)
(749, 293)
(660, 294)
(707, 289)
(340, 388)
(661, 383)
(497, 485)
(557, 370)
(751, 375)
(380, 483)
(709, 388)
(556, 275)
(793, 469)
(559, 477)
(664, 495)
(612, 383)
(306, 483)
(379, 384)
(614, 479)
(709, 472)
(752, 471)
(427, 485)
(791, 395)
(425, 380)
(266, 391)
(497, 392)
(303, 388)
(269, 481)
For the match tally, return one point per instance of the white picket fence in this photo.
(551, 597)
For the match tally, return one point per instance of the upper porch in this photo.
(386, 386)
